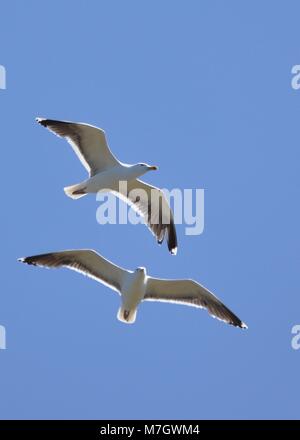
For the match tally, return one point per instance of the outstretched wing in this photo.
(85, 261)
(190, 293)
(151, 203)
(88, 142)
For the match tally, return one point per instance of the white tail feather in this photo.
(69, 191)
(127, 316)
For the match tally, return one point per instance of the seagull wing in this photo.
(88, 142)
(190, 293)
(85, 261)
(151, 203)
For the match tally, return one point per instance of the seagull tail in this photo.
(127, 316)
(75, 191)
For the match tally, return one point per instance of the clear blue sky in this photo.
(209, 79)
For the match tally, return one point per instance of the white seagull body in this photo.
(136, 286)
(105, 173)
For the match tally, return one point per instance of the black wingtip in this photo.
(27, 260)
(172, 238)
(238, 323)
(174, 251)
(41, 121)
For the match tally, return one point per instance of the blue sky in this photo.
(202, 89)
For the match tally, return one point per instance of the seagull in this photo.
(136, 286)
(106, 172)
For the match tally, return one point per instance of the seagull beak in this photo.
(154, 168)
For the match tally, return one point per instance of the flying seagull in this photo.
(105, 173)
(136, 286)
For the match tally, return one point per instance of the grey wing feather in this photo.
(190, 293)
(88, 142)
(85, 261)
(151, 203)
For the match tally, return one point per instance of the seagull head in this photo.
(140, 168)
(145, 167)
(141, 269)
